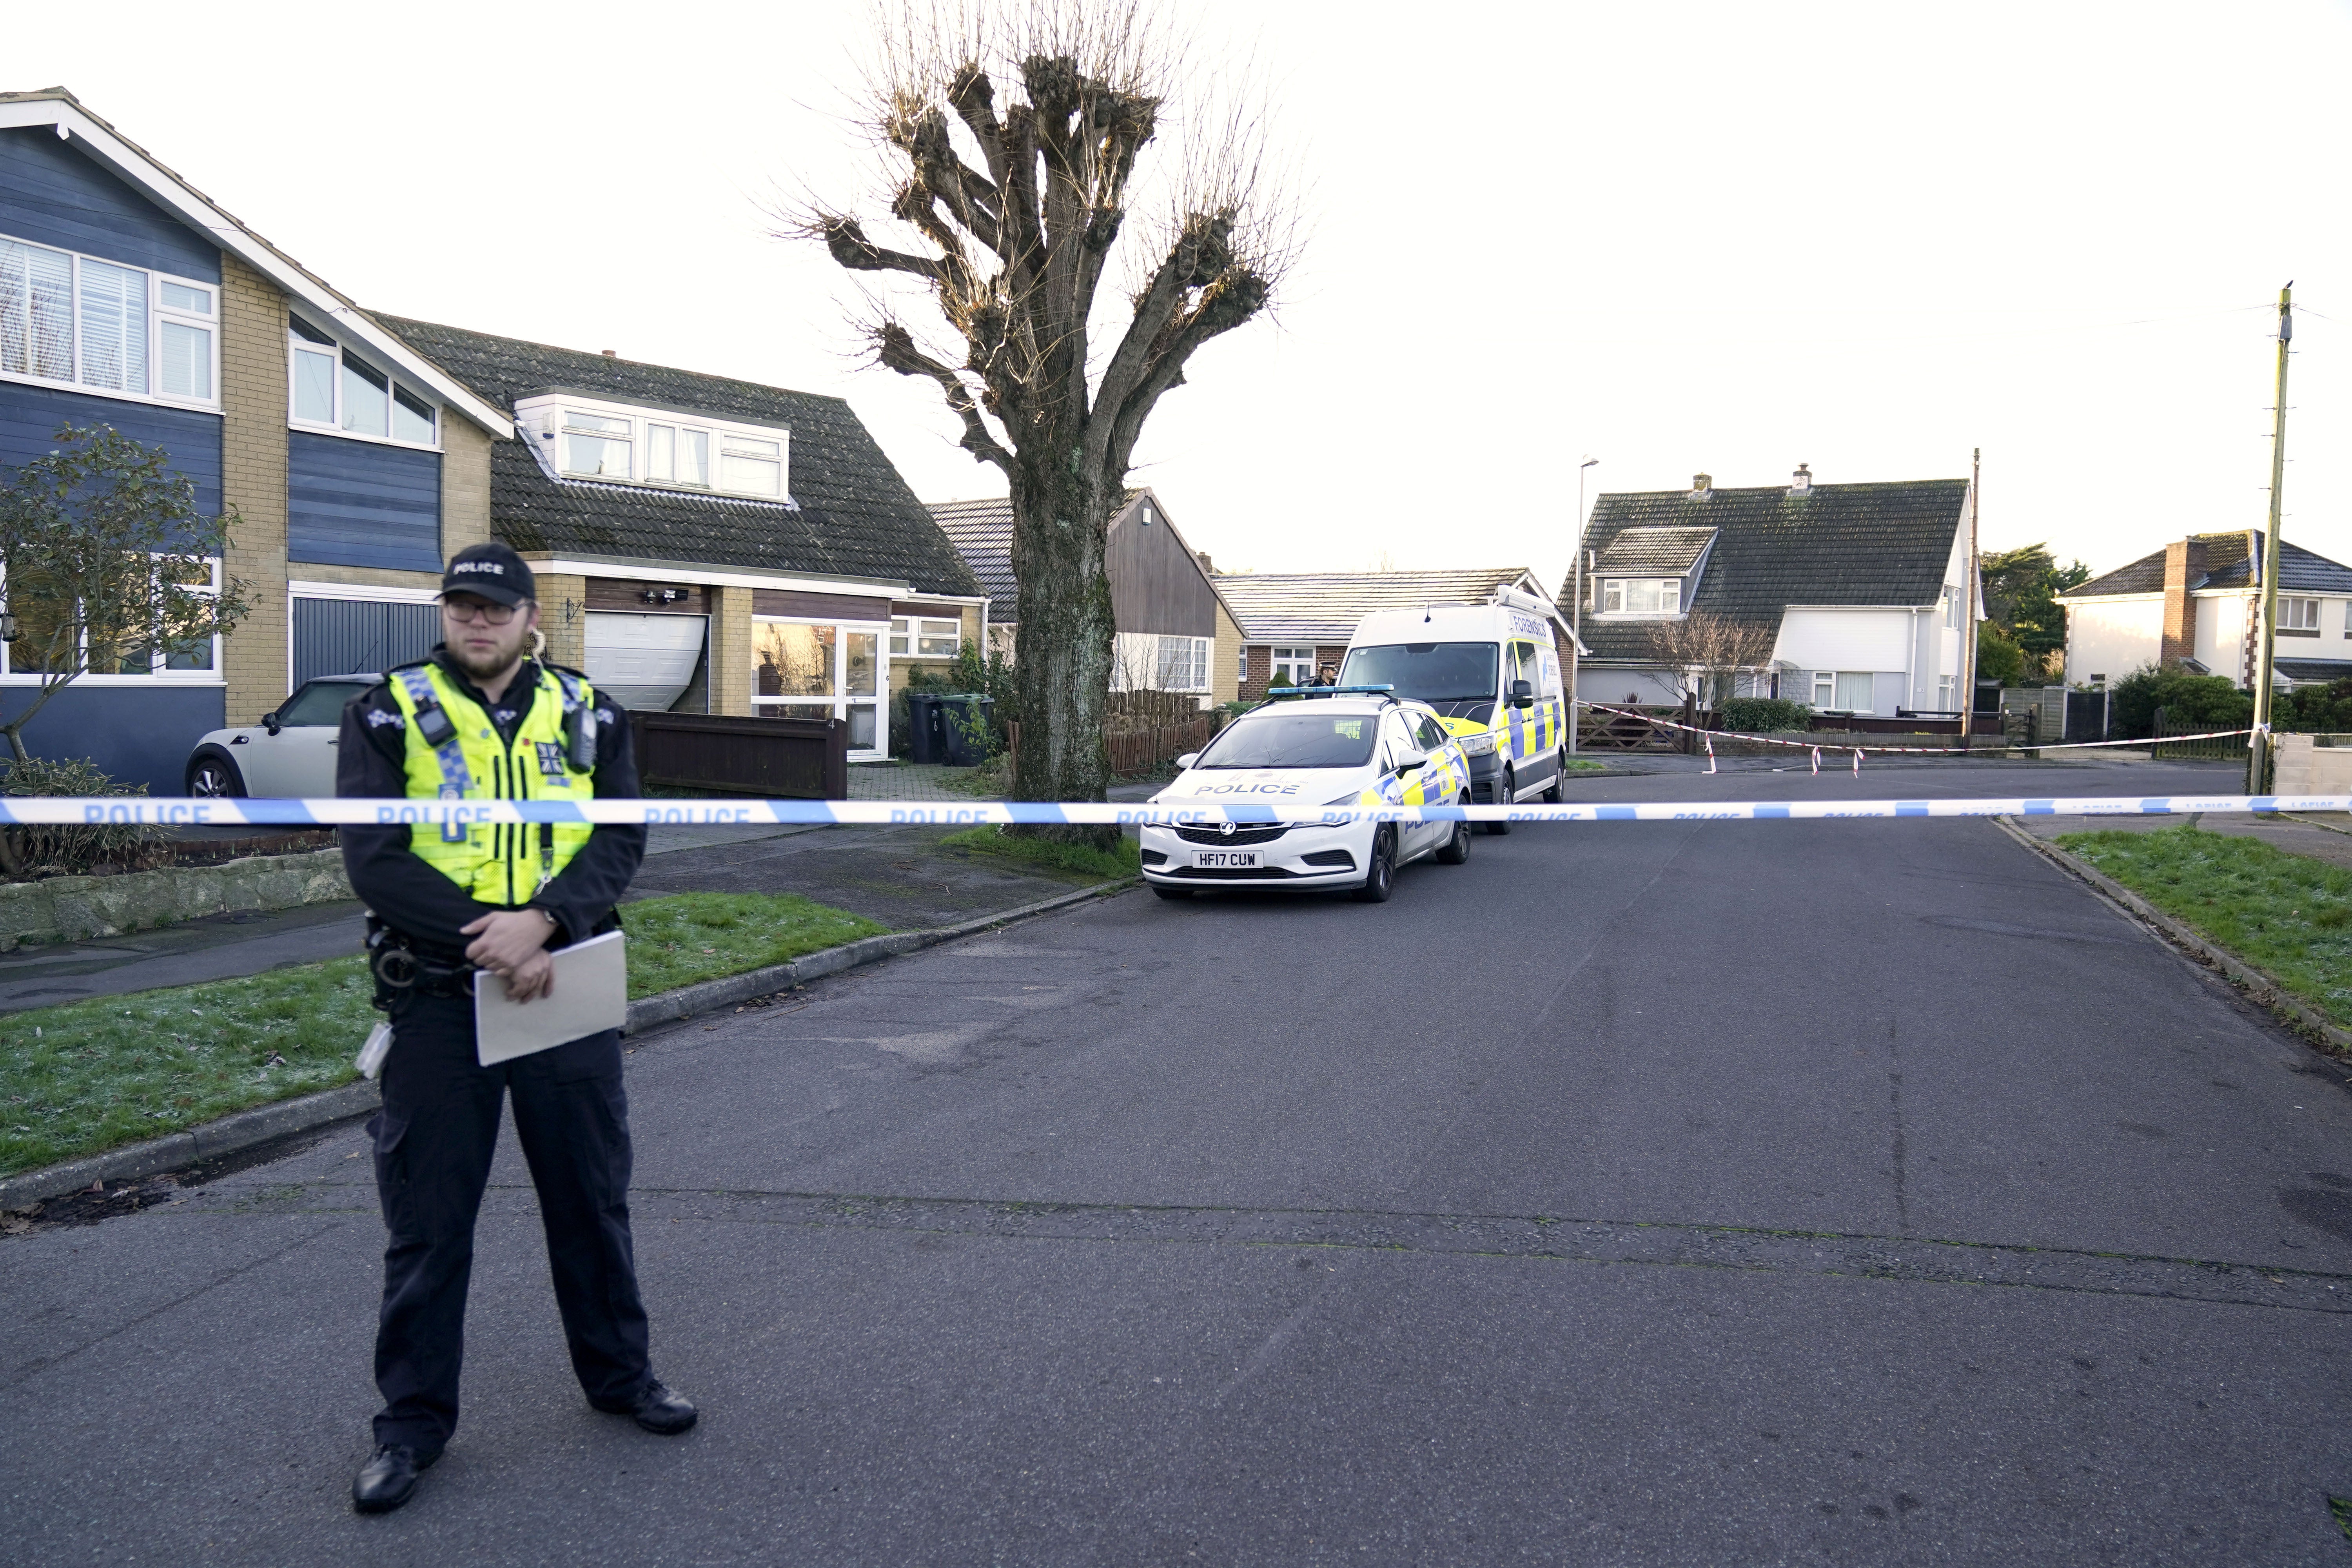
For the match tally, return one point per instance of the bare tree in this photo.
(1704, 653)
(1013, 134)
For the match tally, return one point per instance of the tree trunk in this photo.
(1061, 520)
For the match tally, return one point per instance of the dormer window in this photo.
(595, 446)
(1642, 596)
(585, 437)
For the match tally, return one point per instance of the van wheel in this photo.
(1379, 878)
(1457, 848)
(1558, 777)
(1504, 796)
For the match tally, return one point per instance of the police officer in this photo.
(484, 720)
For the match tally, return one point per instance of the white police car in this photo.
(1338, 747)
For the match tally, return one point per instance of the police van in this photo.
(1491, 671)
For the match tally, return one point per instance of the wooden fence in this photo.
(773, 758)
(1143, 749)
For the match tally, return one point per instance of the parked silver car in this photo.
(290, 755)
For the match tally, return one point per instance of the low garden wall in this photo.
(73, 908)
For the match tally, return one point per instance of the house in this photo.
(1293, 623)
(1855, 590)
(356, 463)
(2191, 603)
(703, 543)
(1175, 631)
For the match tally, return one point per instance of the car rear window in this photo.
(1294, 741)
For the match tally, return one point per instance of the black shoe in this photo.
(385, 1481)
(657, 1409)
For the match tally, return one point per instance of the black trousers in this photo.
(434, 1139)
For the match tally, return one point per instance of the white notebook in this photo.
(591, 995)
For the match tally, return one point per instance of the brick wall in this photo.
(567, 639)
(465, 484)
(730, 651)
(253, 481)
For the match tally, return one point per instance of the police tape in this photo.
(1925, 751)
(1172, 811)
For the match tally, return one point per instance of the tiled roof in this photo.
(1324, 606)
(2327, 669)
(856, 517)
(1839, 544)
(1653, 551)
(2233, 559)
(982, 531)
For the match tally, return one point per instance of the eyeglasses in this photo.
(478, 610)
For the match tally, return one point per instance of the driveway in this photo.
(1643, 1193)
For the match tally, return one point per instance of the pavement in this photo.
(1832, 1190)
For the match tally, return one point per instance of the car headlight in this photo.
(1481, 744)
(1352, 798)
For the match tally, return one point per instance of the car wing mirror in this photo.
(1187, 760)
(1407, 766)
(271, 722)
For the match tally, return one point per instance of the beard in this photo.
(487, 666)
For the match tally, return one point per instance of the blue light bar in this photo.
(1326, 690)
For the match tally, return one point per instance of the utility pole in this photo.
(1576, 610)
(1968, 681)
(2257, 744)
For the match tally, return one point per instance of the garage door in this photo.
(644, 661)
(359, 636)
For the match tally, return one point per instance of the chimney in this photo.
(611, 354)
(1800, 483)
(1700, 485)
(2184, 569)
(1207, 565)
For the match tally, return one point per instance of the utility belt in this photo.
(400, 970)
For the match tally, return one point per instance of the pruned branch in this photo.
(895, 347)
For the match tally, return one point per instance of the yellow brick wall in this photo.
(1225, 659)
(253, 481)
(465, 484)
(567, 639)
(731, 657)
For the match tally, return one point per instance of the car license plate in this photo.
(1235, 859)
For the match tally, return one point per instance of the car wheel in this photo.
(212, 775)
(1457, 848)
(1558, 777)
(1504, 796)
(1379, 878)
(1165, 891)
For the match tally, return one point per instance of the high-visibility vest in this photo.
(497, 863)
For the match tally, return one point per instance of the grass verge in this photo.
(2288, 914)
(1586, 765)
(1050, 854)
(88, 1076)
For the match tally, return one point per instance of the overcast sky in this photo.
(1671, 238)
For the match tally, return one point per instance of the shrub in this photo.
(1753, 714)
(2316, 710)
(2199, 701)
(57, 847)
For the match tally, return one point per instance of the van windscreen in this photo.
(1426, 671)
(1293, 740)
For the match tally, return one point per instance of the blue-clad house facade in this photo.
(354, 465)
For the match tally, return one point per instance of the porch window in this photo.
(812, 672)
(919, 636)
(1292, 667)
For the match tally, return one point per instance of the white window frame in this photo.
(1825, 680)
(297, 344)
(626, 436)
(156, 315)
(907, 633)
(1297, 658)
(159, 673)
(839, 705)
(1613, 592)
(2298, 614)
(542, 420)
